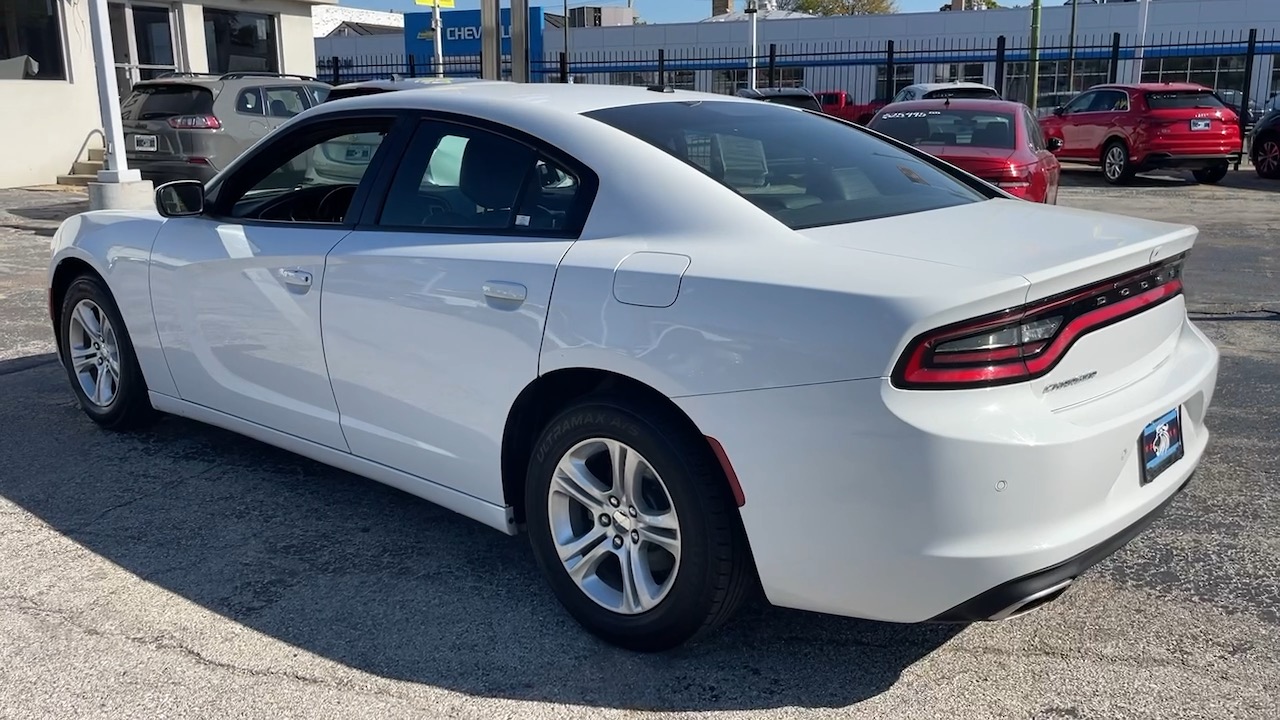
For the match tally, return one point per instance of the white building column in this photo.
(118, 187)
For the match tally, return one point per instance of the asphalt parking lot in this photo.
(187, 572)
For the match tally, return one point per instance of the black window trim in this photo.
(584, 199)
(392, 146)
(262, 101)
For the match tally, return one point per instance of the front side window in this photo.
(805, 170)
(950, 128)
(1082, 103)
(30, 41)
(309, 175)
(241, 41)
(463, 178)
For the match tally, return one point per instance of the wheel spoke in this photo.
(667, 539)
(638, 590)
(84, 315)
(99, 387)
(574, 480)
(582, 570)
(627, 467)
(576, 547)
(82, 358)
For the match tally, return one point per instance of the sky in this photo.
(652, 11)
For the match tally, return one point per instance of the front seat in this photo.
(492, 173)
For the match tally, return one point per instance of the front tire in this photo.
(632, 523)
(1210, 175)
(99, 359)
(1116, 166)
(1266, 157)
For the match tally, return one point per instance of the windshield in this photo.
(157, 102)
(800, 101)
(951, 128)
(806, 170)
(962, 93)
(1183, 100)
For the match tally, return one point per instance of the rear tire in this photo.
(653, 558)
(1266, 157)
(1116, 166)
(99, 359)
(1210, 175)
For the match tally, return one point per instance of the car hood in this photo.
(1054, 248)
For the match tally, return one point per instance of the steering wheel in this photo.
(336, 214)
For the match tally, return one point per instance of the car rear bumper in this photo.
(1188, 161)
(868, 501)
(163, 171)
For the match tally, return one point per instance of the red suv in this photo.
(1132, 128)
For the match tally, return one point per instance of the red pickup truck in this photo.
(838, 103)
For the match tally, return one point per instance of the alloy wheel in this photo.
(1268, 158)
(614, 526)
(95, 354)
(1114, 166)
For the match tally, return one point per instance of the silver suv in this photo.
(188, 126)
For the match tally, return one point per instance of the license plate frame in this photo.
(146, 143)
(1161, 445)
(1201, 124)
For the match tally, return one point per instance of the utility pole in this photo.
(1071, 50)
(1033, 67)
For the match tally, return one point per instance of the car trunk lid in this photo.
(1075, 262)
(166, 121)
(1189, 115)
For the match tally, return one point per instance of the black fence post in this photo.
(773, 65)
(337, 71)
(890, 82)
(1250, 55)
(1114, 71)
(662, 66)
(413, 66)
(1002, 44)
(564, 67)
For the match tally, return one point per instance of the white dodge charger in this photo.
(695, 345)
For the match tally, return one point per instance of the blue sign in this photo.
(461, 33)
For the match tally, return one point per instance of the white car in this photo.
(695, 345)
(930, 91)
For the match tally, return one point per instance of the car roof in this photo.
(930, 87)
(396, 82)
(1153, 87)
(992, 104)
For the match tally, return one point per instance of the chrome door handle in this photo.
(512, 292)
(293, 276)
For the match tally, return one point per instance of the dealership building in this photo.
(1203, 41)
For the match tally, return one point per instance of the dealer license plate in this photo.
(1161, 445)
(1201, 124)
(144, 143)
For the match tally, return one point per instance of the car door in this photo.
(434, 308)
(236, 291)
(253, 110)
(1095, 126)
(1046, 174)
(1069, 126)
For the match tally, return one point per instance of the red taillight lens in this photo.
(195, 122)
(1026, 342)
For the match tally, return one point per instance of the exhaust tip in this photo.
(1033, 601)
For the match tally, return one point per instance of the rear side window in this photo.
(157, 102)
(806, 170)
(1183, 100)
(249, 102)
(285, 102)
(319, 93)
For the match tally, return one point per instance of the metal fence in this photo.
(1246, 61)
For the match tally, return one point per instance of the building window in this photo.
(1225, 72)
(729, 82)
(1053, 78)
(241, 41)
(31, 41)
(143, 39)
(680, 79)
(903, 75)
(959, 72)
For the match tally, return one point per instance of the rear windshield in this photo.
(952, 128)
(1183, 100)
(800, 101)
(961, 93)
(156, 102)
(806, 170)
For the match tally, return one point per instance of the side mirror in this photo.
(180, 198)
(1054, 144)
(1060, 110)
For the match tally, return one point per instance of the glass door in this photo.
(143, 36)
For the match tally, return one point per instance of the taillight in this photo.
(195, 122)
(1026, 342)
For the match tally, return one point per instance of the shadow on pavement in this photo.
(1079, 176)
(56, 212)
(382, 582)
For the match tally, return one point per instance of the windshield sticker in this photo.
(912, 175)
(911, 114)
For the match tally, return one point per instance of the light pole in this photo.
(1033, 53)
(1071, 51)
(752, 10)
(1144, 12)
